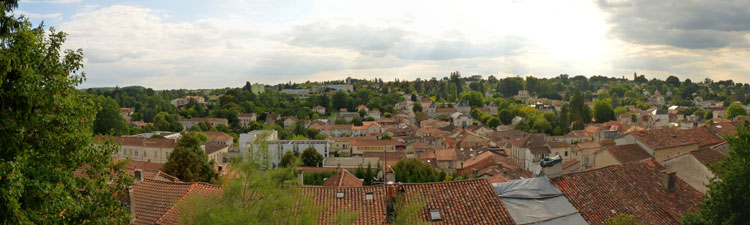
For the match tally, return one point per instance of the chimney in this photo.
(138, 176)
(131, 202)
(301, 177)
(390, 201)
(668, 178)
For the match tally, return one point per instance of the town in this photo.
(608, 112)
(471, 158)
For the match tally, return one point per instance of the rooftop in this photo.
(628, 153)
(633, 189)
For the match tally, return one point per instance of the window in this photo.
(566, 153)
(435, 215)
(136, 153)
(339, 195)
(368, 196)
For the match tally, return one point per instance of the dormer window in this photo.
(435, 215)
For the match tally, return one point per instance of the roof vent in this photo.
(435, 215)
(339, 195)
(138, 174)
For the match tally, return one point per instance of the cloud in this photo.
(698, 24)
(39, 15)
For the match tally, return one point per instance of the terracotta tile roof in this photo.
(559, 144)
(633, 189)
(445, 154)
(670, 137)
(724, 129)
(155, 200)
(218, 136)
(628, 153)
(356, 142)
(708, 156)
(342, 179)
(246, 115)
(460, 202)
(570, 163)
(369, 211)
(210, 148)
(310, 169)
(139, 141)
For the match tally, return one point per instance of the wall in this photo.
(691, 171)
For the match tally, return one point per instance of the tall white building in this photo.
(277, 148)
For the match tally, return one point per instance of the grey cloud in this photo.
(286, 65)
(697, 24)
(394, 40)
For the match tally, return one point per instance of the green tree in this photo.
(623, 219)
(474, 98)
(108, 118)
(188, 161)
(164, 121)
(735, 110)
(287, 160)
(603, 111)
(311, 157)
(493, 122)
(46, 132)
(673, 81)
(505, 116)
(415, 171)
(357, 121)
(417, 107)
(340, 100)
(727, 200)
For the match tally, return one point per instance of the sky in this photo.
(215, 44)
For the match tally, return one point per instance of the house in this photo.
(219, 138)
(667, 143)
(522, 94)
(289, 121)
(216, 151)
(492, 107)
(319, 109)
(462, 120)
(246, 119)
(619, 155)
(126, 113)
(341, 130)
(271, 118)
(721, 113)
(362, 107)
(140, 124)
(694, 169)
(275, 148)
(375, 114)
(155, 150)
(301, 93)
(178, 102)
(564, 150)
(537, 201)
(588, 151)
(470, 202)
(467, 139)
(348, 116)
(643, 189)
(463, 107)
(446, 159)
(431, 123)
(625, 118)
(357, 147)
(529, 151)
(342, 178)
(188, 123)
(431, 110)
(155, 201)
(660, 118)
(489, 164)
(480, 130)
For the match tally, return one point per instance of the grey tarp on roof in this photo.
(537, 201)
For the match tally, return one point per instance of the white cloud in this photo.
(39, 15)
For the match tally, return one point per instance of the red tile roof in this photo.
(633, 189)
(460, 202)
(342, 179)
(155, 201)
(708, 156)
(369, 211)
(218, 136)
(670, 137)
(445, 154)
(628, 153)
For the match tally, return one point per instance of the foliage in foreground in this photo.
(45, 134)
(188, 161)
(727, 200)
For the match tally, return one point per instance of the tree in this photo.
(46, 134)
(603, 111)
(415, 171)
(287, 159)
(623, 219)
(164, 121)
(340, 100)
(493, 122)
(417, 107)
(735, 110)
(673, 81)
(357, 121)
(188, 161)
(474, 98)
(108, 118)
(727, 200)
(505, 116)
(311, 157)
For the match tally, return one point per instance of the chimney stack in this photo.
(131, 202)
(668, 178)
(390, 201)
(138, 176)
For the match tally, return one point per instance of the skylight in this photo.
(339, 194)
(435, 215)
